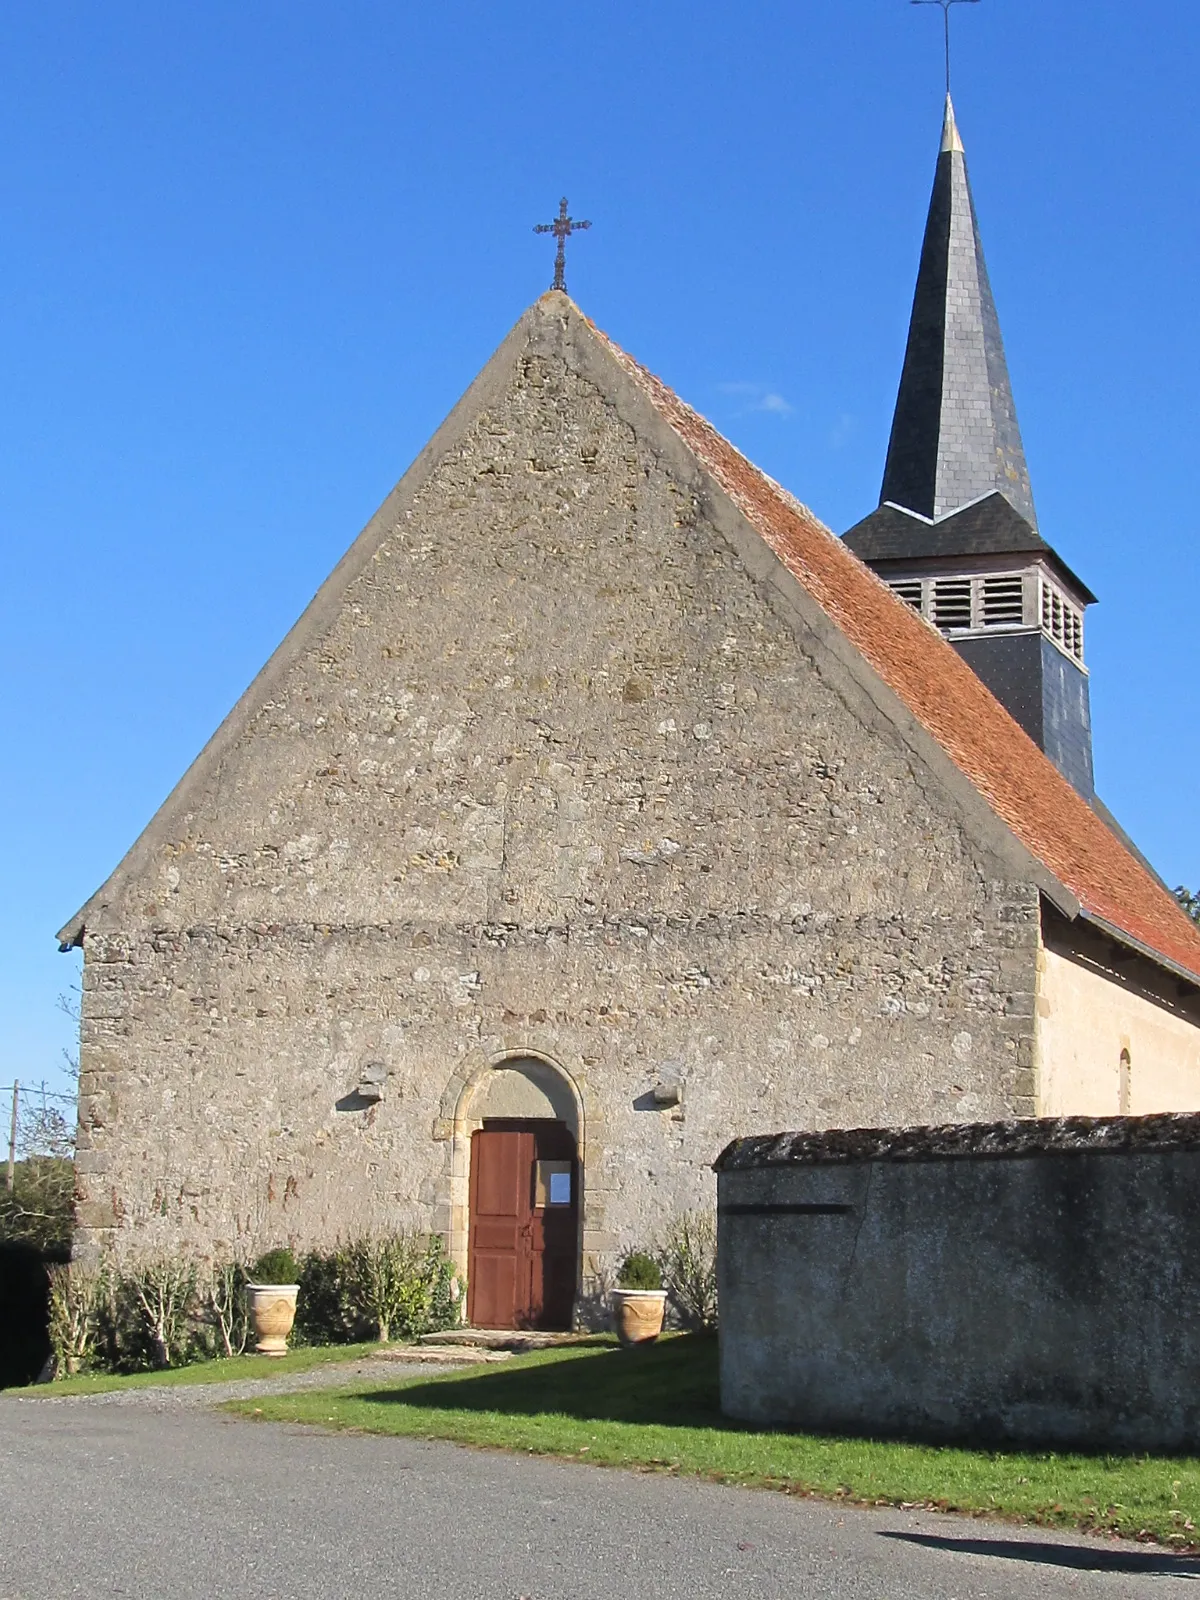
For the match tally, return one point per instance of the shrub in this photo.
(323, 1313)
(224, 1307)
(400, 1285)
(76, 1296)
(166, 1312)
(448, 1299)
(162, 1313)
(689, 1262)
(120, 1344)
(276, 1266)
(639, 1271)
(39, 1208)
(152, 1313)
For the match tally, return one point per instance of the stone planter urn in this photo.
(638, 1314)
(272, 1311)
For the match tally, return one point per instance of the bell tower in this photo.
(955, 533)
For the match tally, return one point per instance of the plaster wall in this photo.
(1107, 1045)
(554, 773)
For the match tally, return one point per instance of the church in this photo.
(603, 806)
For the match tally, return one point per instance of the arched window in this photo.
(1124, 1083)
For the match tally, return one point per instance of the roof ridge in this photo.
(1017, 779)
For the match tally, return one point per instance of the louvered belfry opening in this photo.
(955, 534)
(987, 603)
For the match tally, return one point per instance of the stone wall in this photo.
(1035, 1283)
(546, 770)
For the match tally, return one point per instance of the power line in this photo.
(35, 1089)
(31, 1090)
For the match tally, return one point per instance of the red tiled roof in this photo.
(1016, 778)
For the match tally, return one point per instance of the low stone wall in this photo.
(1032, 1282)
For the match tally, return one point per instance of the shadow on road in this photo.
(1080, 1557)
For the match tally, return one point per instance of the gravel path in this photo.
(195, 1396)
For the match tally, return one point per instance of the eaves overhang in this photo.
(1129, 942)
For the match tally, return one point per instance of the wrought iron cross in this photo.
(562, 228)
(945, 5)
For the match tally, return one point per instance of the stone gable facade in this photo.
(562, 767)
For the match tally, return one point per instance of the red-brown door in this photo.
(523, 1252)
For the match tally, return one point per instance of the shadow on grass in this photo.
(1079, 1557)
(674, 1383)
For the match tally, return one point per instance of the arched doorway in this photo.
(523, 1250)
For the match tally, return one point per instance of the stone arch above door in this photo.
(515, 1082)
(525, 1086)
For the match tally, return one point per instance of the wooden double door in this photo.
(523, 1250)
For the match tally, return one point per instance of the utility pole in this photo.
(10, 1175)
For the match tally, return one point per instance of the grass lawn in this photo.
(249, 1366)
(655, 1407)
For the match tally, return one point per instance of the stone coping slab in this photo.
(1034, 1136)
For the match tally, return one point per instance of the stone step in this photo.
(509, 1340)
(440, 1354)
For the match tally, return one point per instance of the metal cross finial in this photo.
(562, 228)
(945, 5)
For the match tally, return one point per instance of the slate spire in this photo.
(955, 533)
(954, 434)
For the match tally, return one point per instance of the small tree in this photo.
(1190, 901)
(398, 1284)
(43, 1129)
(639, 1271)
(75, 1298)
(689, 1262)
(39, 1208)
(224, 1297)
(324, 1312)
(165, 1293)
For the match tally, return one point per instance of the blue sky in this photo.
(251, 254)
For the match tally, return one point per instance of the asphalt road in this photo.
(176, 1501)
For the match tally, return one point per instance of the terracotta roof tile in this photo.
(1015, 777)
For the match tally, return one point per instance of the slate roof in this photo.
(990, 526)
(954, 434)
(1017, 779)
(987, 527)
